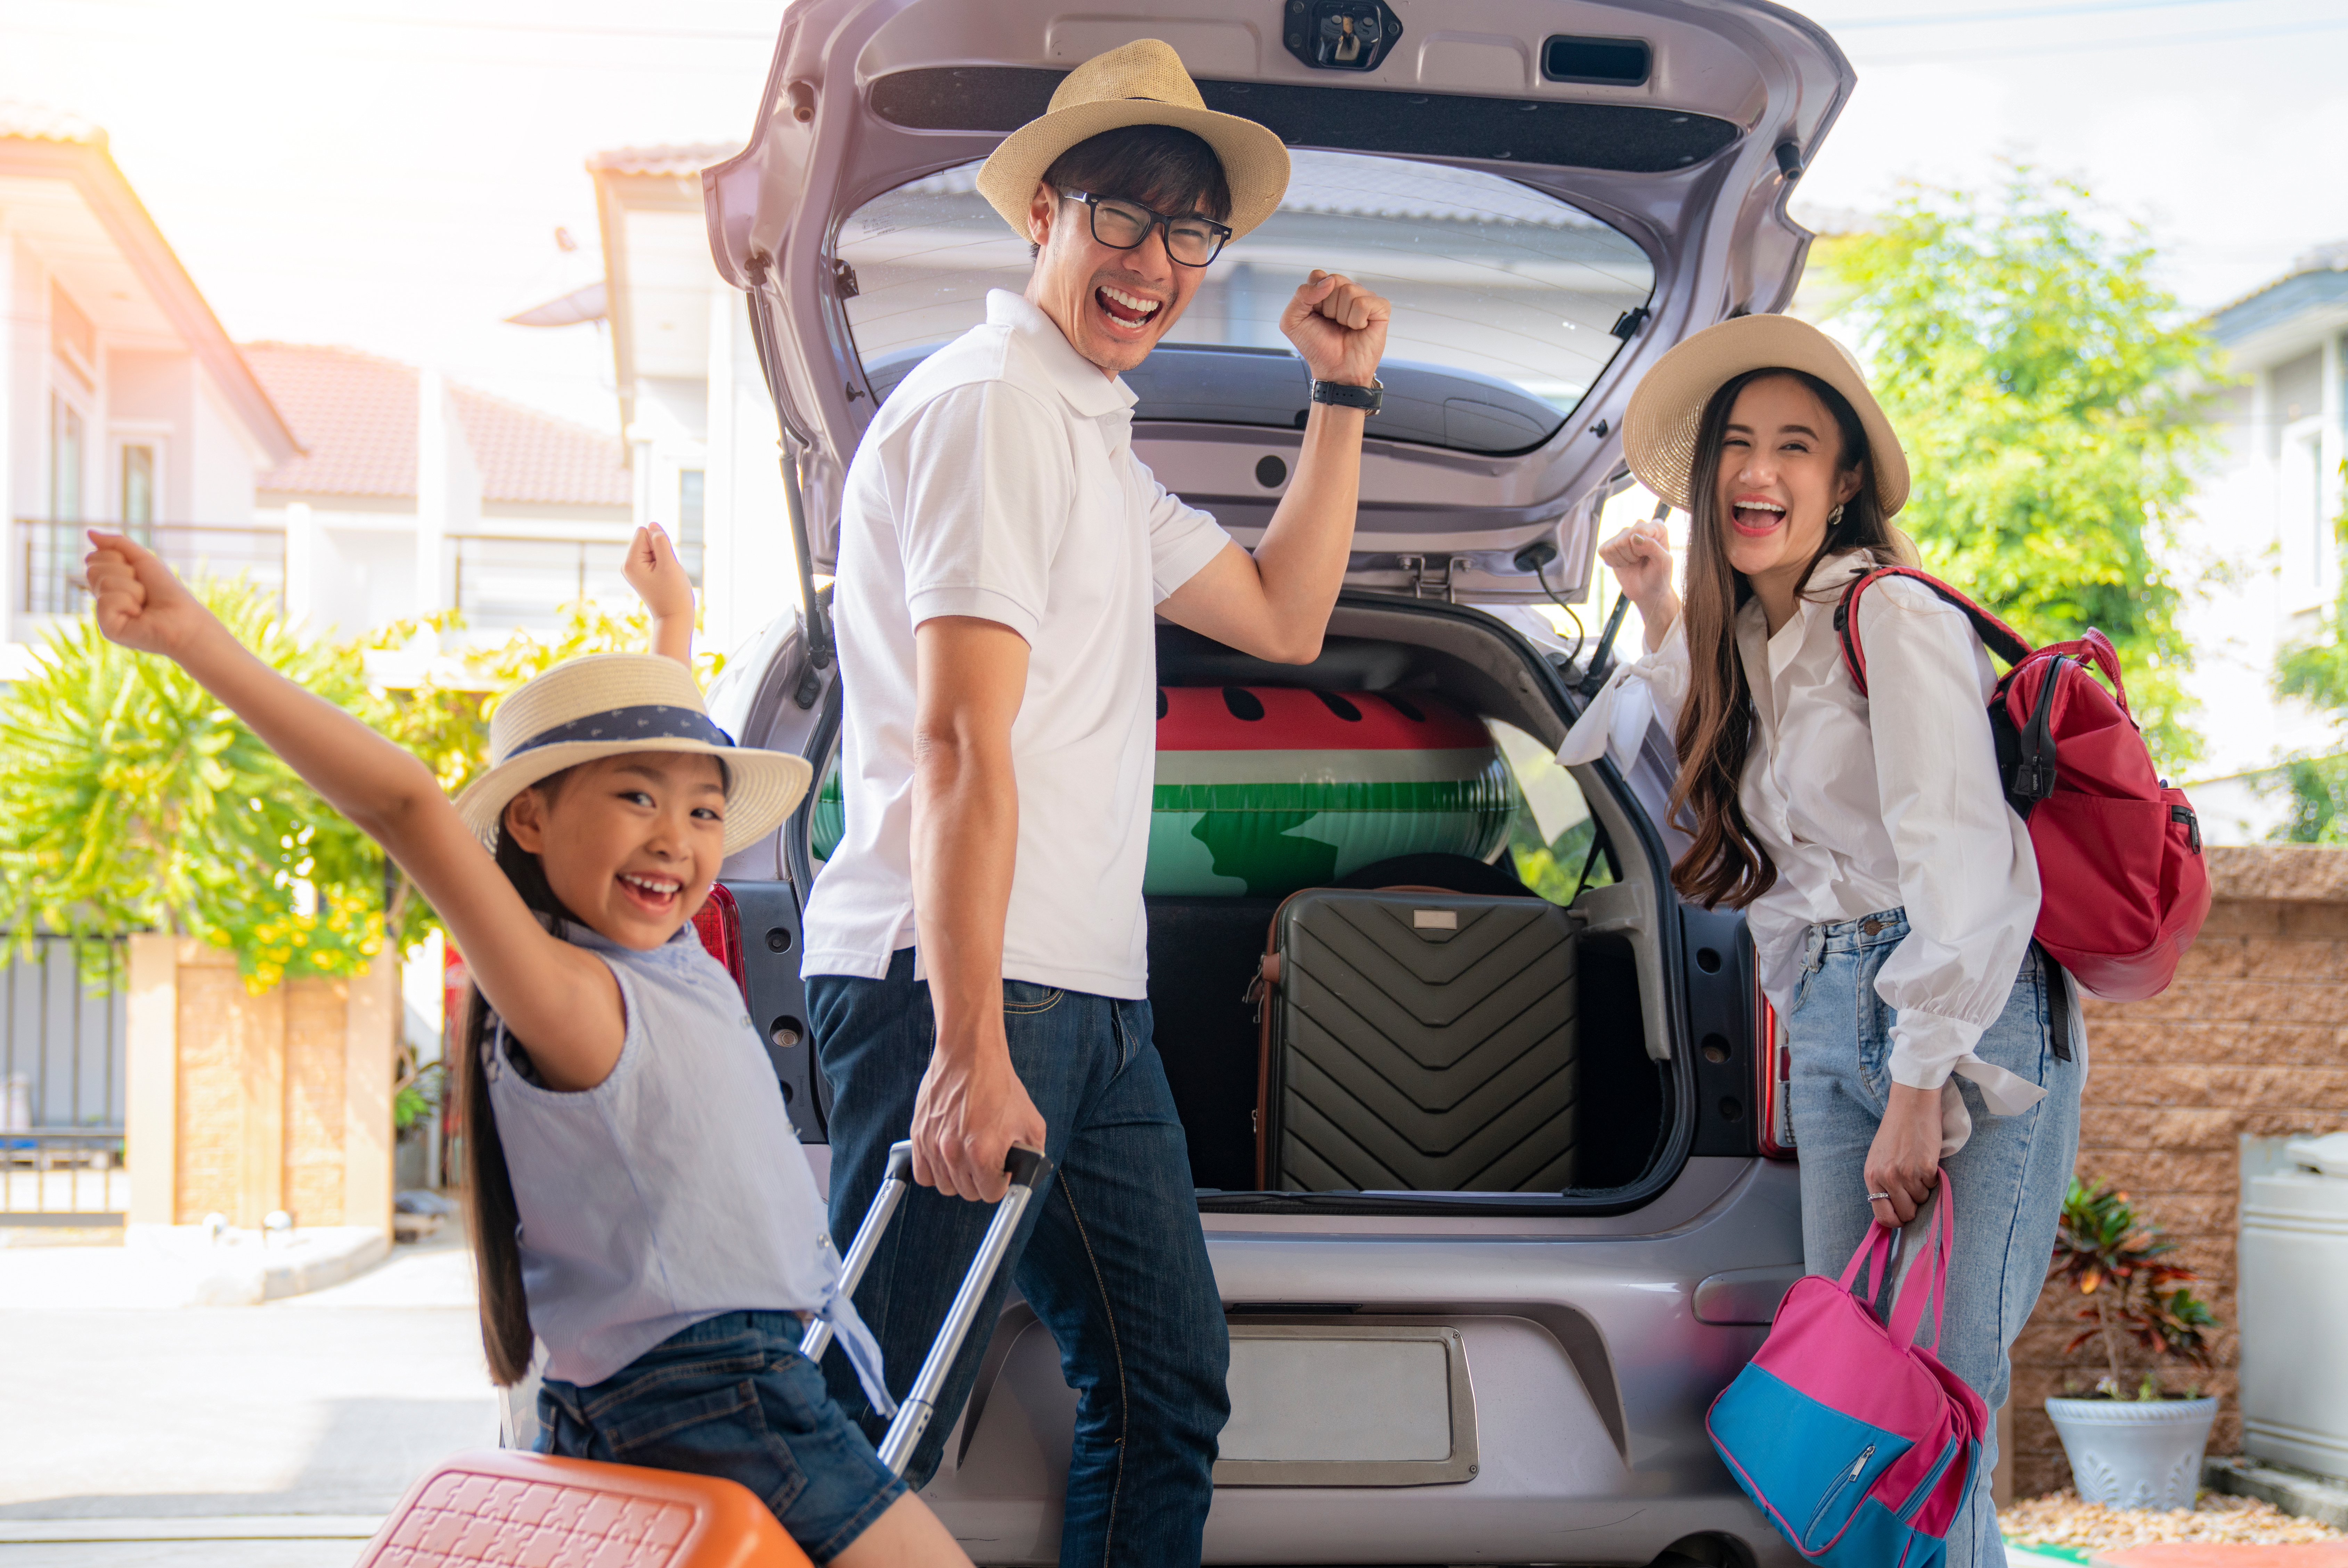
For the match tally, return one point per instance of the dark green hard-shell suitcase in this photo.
(1418, 1041)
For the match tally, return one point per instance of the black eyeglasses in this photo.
(1122, 225)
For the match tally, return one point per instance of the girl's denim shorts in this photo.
(731, 1396)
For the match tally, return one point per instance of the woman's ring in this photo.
(1878, 1197)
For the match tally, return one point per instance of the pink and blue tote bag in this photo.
(1855, 1441)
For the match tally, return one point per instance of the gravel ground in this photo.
(2060, 1519)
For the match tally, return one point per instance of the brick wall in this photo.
(2251, 1042)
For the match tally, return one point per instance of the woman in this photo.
(1890, 889)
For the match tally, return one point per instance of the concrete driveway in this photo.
(250, 1426)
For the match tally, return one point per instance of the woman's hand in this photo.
(1904, 1160)
(1640, 558)
(659, 579)
(139, 603)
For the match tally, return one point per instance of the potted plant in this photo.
(2132, 1443)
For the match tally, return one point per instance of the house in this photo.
(2269, 509)
(122, 400)
(414, 493)
(700, 430)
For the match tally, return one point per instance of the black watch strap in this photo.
(1368, 399)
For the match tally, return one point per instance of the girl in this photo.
(1889, 890)
(641, 1203)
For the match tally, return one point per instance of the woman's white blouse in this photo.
(1868, 805)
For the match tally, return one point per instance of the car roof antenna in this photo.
(1602, 661)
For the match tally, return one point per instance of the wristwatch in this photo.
(1344, 395)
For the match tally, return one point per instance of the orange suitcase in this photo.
(495, 1508)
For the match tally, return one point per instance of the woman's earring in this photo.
(1834, 519)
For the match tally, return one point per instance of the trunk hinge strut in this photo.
(821, 645)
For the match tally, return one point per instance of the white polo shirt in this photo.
(999, 481)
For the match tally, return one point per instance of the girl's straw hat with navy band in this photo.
(607, 705)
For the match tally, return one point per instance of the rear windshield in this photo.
(1503, 297)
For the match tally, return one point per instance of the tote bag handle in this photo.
(1931, 1277)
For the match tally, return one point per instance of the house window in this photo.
(690, 486)
(2310, 557)
(65, 438)
(137, 488)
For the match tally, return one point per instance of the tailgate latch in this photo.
(1430, 576)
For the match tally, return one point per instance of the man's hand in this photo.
(139, 603)
(1904, 1160)
(971, 1109)
(1338, 327)
(1640, 558)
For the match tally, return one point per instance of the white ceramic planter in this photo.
(2135, 1453)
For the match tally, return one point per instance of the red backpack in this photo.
(2123, 886)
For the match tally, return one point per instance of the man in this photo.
(975, 946)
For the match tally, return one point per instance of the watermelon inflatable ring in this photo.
(1263, 790)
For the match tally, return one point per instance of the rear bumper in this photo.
(1589, 1368)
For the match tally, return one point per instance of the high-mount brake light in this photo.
(719, 924)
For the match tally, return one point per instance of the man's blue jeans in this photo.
(1111, 1258)
(2009, 1178)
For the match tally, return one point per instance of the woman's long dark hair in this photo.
(1726, 864)
(496, 1219)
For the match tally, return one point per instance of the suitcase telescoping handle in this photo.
(1027, 1168)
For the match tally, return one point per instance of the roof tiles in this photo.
(355, 416)
(676, 159)
(38, 122)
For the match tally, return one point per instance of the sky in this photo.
(391, 174)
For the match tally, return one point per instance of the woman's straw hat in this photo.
(1659, 431)
(609, 704)
(1142, 83)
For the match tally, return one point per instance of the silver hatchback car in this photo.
(1551, 192)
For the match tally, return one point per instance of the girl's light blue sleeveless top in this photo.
(673, 1191)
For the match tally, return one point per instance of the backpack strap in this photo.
(1996, 636)
(2058, 1002)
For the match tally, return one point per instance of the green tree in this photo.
(132, 800)
(2051, 399)
(2315, 669)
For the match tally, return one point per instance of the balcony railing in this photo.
(504, 580)
(48, 557)
(499, 581)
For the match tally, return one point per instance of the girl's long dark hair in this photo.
(497, 1221)
(1724, 864)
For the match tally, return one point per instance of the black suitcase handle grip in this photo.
(1026, 1167)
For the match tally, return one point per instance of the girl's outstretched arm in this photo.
(560, 999)
(659, 580)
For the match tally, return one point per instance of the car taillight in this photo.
(719, 924)
(1774, 1066)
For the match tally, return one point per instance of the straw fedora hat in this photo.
(608, 704)
(1141, 83)
(1659, 430)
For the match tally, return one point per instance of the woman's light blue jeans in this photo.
(2009, 1178)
